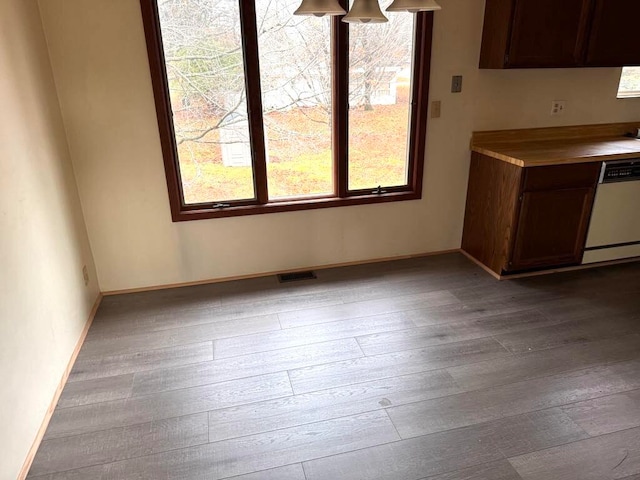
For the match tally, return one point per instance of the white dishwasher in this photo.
(614, 231)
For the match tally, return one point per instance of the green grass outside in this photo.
(300, 160)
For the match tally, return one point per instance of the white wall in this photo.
(99, 60)
(43, 242)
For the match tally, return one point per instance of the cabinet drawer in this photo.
(559, 177)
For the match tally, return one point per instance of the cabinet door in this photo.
(615, 34)
(549, 33)
(552, 228)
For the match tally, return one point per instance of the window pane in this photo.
(295, 72)
(379, 95)
(202, 44)
(629, 82)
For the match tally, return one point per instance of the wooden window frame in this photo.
(342, 196)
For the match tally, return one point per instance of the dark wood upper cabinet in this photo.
(560, 33)
(548, 33)
(615, 34)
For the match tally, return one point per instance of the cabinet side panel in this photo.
(492, 199)
(496, 33)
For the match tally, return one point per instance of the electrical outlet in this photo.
(436, 109)
(85, 275)
(558, 107)
(456, 84)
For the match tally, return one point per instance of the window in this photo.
(262, 111)
(629, 83)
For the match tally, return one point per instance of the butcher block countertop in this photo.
(560, 145)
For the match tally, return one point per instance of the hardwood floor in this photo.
(409, 370)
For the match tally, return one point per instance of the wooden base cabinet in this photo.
(519, 219)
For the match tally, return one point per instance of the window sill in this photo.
(187, 214)
(628, 95)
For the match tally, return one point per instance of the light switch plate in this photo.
(436, 109)
(456, 84)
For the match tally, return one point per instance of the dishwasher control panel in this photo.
(620, 171)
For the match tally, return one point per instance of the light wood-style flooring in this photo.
(408, 370)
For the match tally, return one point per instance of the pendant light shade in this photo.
(320, 8)
(365, 11)
(414, 6)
